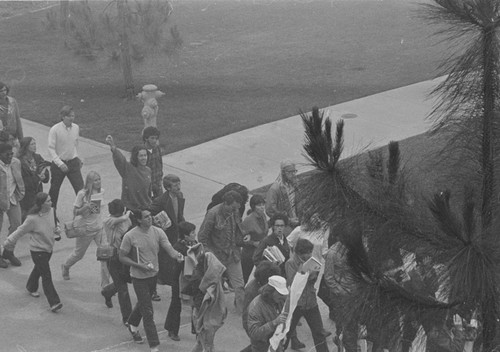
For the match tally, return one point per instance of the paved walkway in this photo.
(250, 157)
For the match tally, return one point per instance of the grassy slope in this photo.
(244, 63)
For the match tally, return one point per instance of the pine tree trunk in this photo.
(489, 89)
(125, 49)
(490, 86)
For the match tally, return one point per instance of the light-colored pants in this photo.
(14, 215)
(81, 246)
(235, 275)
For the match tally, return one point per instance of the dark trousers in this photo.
(247, 262)
(349, 329)
(144, 308)
(119, 286)
(313, 319)
(173, 319)
(42, 269)
(411, 324)
(74, 175)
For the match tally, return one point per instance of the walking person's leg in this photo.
(173, 319)
(14, 215)
(235, 275)
(120, 287)
(43, 259)
(313, 319)
(105, 276)
(144, 310)
(75, 174)
(207, 337)
(56, 179)
(246, 264)
(292, 333)
(34, 279)
(81, 245)
(147, 313)
(3, 264)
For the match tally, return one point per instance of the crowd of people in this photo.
(257, 255)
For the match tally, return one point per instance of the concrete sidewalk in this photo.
(250, 157)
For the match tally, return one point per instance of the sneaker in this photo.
(135, 335)
(3, 264)
(34, 294)
(9, 255)
(65, 272)
(326, 333)
(155, 349)
(173, 336)
(296, 344)
(56, 307)
(107, 300)
(155, 297)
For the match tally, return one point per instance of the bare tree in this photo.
(126, 33)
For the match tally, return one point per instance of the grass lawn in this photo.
(244, 63)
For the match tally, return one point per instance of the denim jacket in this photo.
(221, 234)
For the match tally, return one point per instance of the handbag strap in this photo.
(56, 220)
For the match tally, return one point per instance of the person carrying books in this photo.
(307, 305)
(277, 240)
(168, 208)
(115, 226)
(139, 249)
(87, 212)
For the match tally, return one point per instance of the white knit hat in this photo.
(279, 283)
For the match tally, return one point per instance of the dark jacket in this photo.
(221, 234)
(166, 263)
(269, 241)
(32, 183)
(260, 323)
(164, 203)
(171, 276)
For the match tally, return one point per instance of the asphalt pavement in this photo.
(250, 157)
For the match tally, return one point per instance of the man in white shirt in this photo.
(11, 193)
(63, 140)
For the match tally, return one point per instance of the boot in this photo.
(9, 255)
(3, 263)
(296, 343)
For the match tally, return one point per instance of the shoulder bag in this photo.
(104, 251)
(72, 230)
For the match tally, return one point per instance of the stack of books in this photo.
(273, 254)
(162, 220)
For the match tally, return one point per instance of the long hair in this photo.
(134, 154)
(25, 144)
(40, 198)
(89, 184)
(3, 85)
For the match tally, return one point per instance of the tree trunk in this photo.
(489, 89)
(125, 49)
(490, 86)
